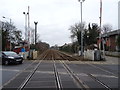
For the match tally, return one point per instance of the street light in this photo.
(82, 50)
(10, 29)
(25, 25)
(8, 18)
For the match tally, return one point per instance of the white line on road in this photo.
(106, 76)
(10, 70)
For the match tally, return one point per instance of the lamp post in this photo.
(10, 30)
(82, 50)
(25, 25)
(100, 37)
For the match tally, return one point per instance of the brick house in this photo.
(110, 40)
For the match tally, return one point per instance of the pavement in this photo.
(109, 60)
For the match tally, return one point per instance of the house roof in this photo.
(115, 32)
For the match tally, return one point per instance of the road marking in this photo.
(51, 72)
(15, 70)
(81, 74)
(107, 76)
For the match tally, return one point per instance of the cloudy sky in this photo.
(56, 16)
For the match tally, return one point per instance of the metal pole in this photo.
(81, 33)
(28, 26)
(25, 25)
(82, 48)
(101, 39)
(100, 25)
(35, 32)
(10, 35)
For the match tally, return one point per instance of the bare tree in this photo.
(76, 31)
(10, 34)
(107, 28)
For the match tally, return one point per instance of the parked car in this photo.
(11, 57)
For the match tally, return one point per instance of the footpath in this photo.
(109, 60)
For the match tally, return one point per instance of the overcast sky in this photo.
(56, 16)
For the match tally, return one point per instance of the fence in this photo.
(116, 54)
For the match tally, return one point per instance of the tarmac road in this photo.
(8, 72)
(87, 71)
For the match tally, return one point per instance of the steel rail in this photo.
(58, 81)
(90, 75)
(103, 70)
(93, 65)
(29, 77)
(71, 73)
(44, 55)
(79, 83)
(103, 84)
(22, 86)
(17, 74)
(76, 79)
(97, 80)
(67, 55)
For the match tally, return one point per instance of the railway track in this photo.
(76, 78)
(59, 66)
(29, 76)
(88, 74)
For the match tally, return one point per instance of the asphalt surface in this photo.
(8, 72)
(93, 74)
